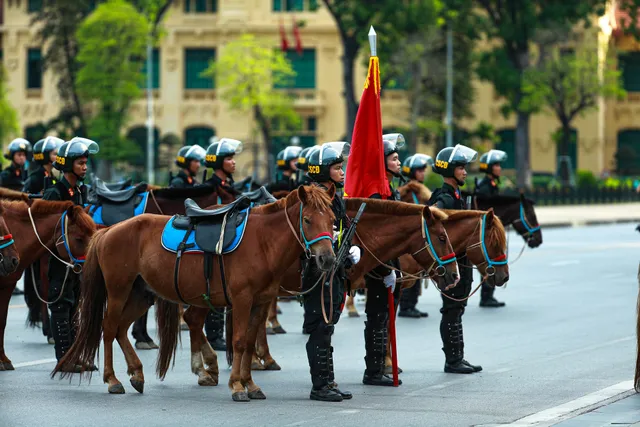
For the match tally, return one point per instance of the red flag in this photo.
(296, 36)
(366, 174)
(283, 37)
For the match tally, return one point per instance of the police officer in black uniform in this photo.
(490, 164)
(377, 282)
(14, 176)
(63, 284)
(303, 166)
(287, 167)
(44, 154)
(325, 168)
(414, 168)
(188, 160)
(451, 163)
(220, 157)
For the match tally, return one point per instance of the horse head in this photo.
(490, 251)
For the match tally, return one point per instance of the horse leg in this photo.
(132, 311)
(5, 296)
(241, 315)
(110, 325)
(351, 306)
(273, 317)
(195, 317)
(262, 352)
(258, 314)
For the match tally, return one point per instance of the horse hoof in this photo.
(184, 327)
(207, 381)
(354, 314)
(279, 330)
(257, 366)
(270, 331)
(138, 385)
(257, 394)
(152, 345)
(279, 311)
(6, 366)
(240, 396)
(51, 341)
(141, 345)
(273, 366)
(116, 389)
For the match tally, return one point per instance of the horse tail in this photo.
(636, 378)
(168, 320)
(90, 314)
(229, 335)
(34, 315)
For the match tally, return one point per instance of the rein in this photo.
(307, 243)
(155, 202)
(68, 264)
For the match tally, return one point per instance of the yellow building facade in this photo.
(186, 106)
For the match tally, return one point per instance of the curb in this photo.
(587, 223)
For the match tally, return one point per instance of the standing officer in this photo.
(451, 163)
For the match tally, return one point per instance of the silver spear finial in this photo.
(372, 42)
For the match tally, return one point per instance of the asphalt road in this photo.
(567, 331)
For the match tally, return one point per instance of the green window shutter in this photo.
(629, 63)
(312, 123)
(508, 145)
(198, 136)
(628, 152)
(305, 67)
(155, 63)
(295, 5)
(201, 6)
(34, 69)
(196, 62)
(214, 5)
(187, 6)
(277, 5)
(34, 6)
(307, 141)
(313, 5)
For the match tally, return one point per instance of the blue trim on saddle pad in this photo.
(96, 212)
(172, 237)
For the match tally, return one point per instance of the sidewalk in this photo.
(577, 215)
(624, 412)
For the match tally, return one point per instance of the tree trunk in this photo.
(348, 60)
(263, 123)
(523, 171)
(564, 151)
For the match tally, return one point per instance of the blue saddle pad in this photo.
(172, 237)
(96, 212)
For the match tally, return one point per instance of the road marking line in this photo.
(562, 263)
(34, 363)
(570, 409)
(18, 306)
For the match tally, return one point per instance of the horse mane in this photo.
(46, 207)
(184, 193)
(495, 235)
(7, 194)
(317, 198)
(419, 189)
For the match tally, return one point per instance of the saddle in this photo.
(113, 206)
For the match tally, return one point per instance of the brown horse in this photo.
(121, 253)
(35, 239)
(385, 231)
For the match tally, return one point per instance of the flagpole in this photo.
(390, 299)
(449, 86)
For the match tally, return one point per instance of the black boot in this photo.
(332, 382)
(410, 312)
(140, 334)
(318, 354)
(487, 299)
(453, 347)
(214, 328)
(61, 331)
(375, 339)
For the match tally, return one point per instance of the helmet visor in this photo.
(228, 147)
(196, 152)
(85, 145)
(397, 139)
(340, 147)
(463, 154)
(496, 156)
(419, 161)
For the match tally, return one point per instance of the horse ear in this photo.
(427, 215)
(331, 191)
(489, 219)
(87, 209)
(71, 212)
(302, 194)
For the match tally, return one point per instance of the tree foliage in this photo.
(9, 126)
(112, 40)
(247, 73)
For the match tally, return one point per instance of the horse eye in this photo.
(306, 220)
(442, 238)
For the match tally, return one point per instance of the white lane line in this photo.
(613, 275)
(563, 263)
(18, 306)
(558, 413)
(34, 363)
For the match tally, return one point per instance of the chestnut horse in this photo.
(67, 237)
(118, 255)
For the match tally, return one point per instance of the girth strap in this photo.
(208, 271)
(176, 272)
(223, 279)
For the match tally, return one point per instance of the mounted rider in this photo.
(377, 306)
(324, 169)
(303, 165)
(14, 176)
(188, 160)
(220, 157)
(491, 165)
(44, 154)
(286, 161)
(414, 168)
(71, 160)
(451, 163)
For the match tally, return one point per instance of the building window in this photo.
(295, 5)
(155, 64)
(200, 6)
(508, 145)
(629, 64)
(34, 6)
(628, 152)
(305, 67)
(34, 69)
(196, 62)
(199, 136)
(138, 135)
